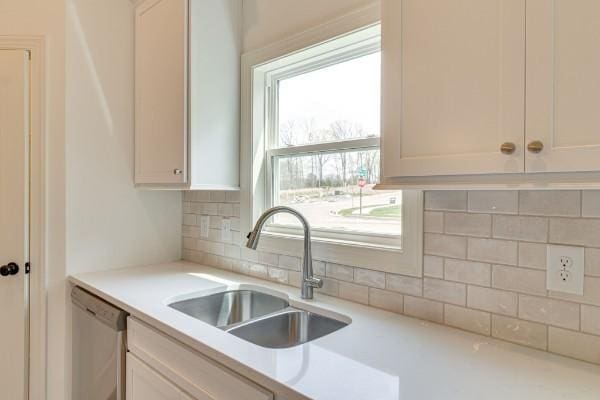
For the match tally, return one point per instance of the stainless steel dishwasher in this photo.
(99, 348)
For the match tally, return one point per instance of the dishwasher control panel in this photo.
(103, 311)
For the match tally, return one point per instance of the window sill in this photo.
(355, 254)
(331, 241)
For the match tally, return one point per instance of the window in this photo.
(314, 125)
(323, 147)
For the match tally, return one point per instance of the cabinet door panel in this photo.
(194, 373)
(161, 92)
(454, 92)
(145, 384)
(563, 84)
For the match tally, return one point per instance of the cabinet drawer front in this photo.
(143, 383)
(188, 369)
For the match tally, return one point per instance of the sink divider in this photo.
(286, 310)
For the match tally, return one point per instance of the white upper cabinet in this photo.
(454, 87)
(187, 101)
(490, 91)
(161, 92)
(563, 85)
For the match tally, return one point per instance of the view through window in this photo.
(325, 150)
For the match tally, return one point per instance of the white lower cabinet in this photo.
(159, 367)
(143, 383)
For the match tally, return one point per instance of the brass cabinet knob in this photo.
(508, 148)
(535, 147)
(177, 171)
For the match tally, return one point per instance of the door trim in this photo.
(37, 193)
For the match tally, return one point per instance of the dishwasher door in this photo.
(99, 348)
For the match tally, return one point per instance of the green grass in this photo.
(390, 211)
(393, 211)
(346, 211)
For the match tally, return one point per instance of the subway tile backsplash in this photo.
(484, 266)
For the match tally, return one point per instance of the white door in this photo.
(143, 383)
(563, 85)
(14, 210)
(161, 89)
(454, 93)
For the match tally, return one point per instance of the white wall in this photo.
(95, 218)
(110, 224)
(267, 21)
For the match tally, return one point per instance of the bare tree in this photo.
(306, 131)
(345, 130)
(287, 137)
(371, 164)
(313, 134)
(287, 133)
(322, 160)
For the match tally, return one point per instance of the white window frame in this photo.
(367, 42)
(361, 30)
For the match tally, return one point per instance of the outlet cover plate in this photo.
(565, 269)
(226, 230)
(204, 226)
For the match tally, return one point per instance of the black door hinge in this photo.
(27, 268)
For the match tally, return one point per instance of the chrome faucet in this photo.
(309, 281)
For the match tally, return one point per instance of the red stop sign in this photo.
(361, 182)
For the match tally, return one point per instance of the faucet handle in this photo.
(314, 282)
(248, 235)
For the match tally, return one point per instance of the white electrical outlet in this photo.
(204, 226)
(565, 269)
(226, 230)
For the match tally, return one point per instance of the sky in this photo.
(346, 91)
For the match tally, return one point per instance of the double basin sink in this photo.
(259, 318)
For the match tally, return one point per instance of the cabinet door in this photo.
(161, 92)
(145, 384)
(454, 89)
(563, 85)
(201, 377)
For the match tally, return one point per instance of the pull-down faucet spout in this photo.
(309, 281)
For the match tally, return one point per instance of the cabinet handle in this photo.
(508, 148)
(535, 147)
(177, 171)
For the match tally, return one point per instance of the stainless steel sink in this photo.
(232, 307)
(259, 318)
(287, 329)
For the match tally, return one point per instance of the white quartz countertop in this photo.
(379, 356)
